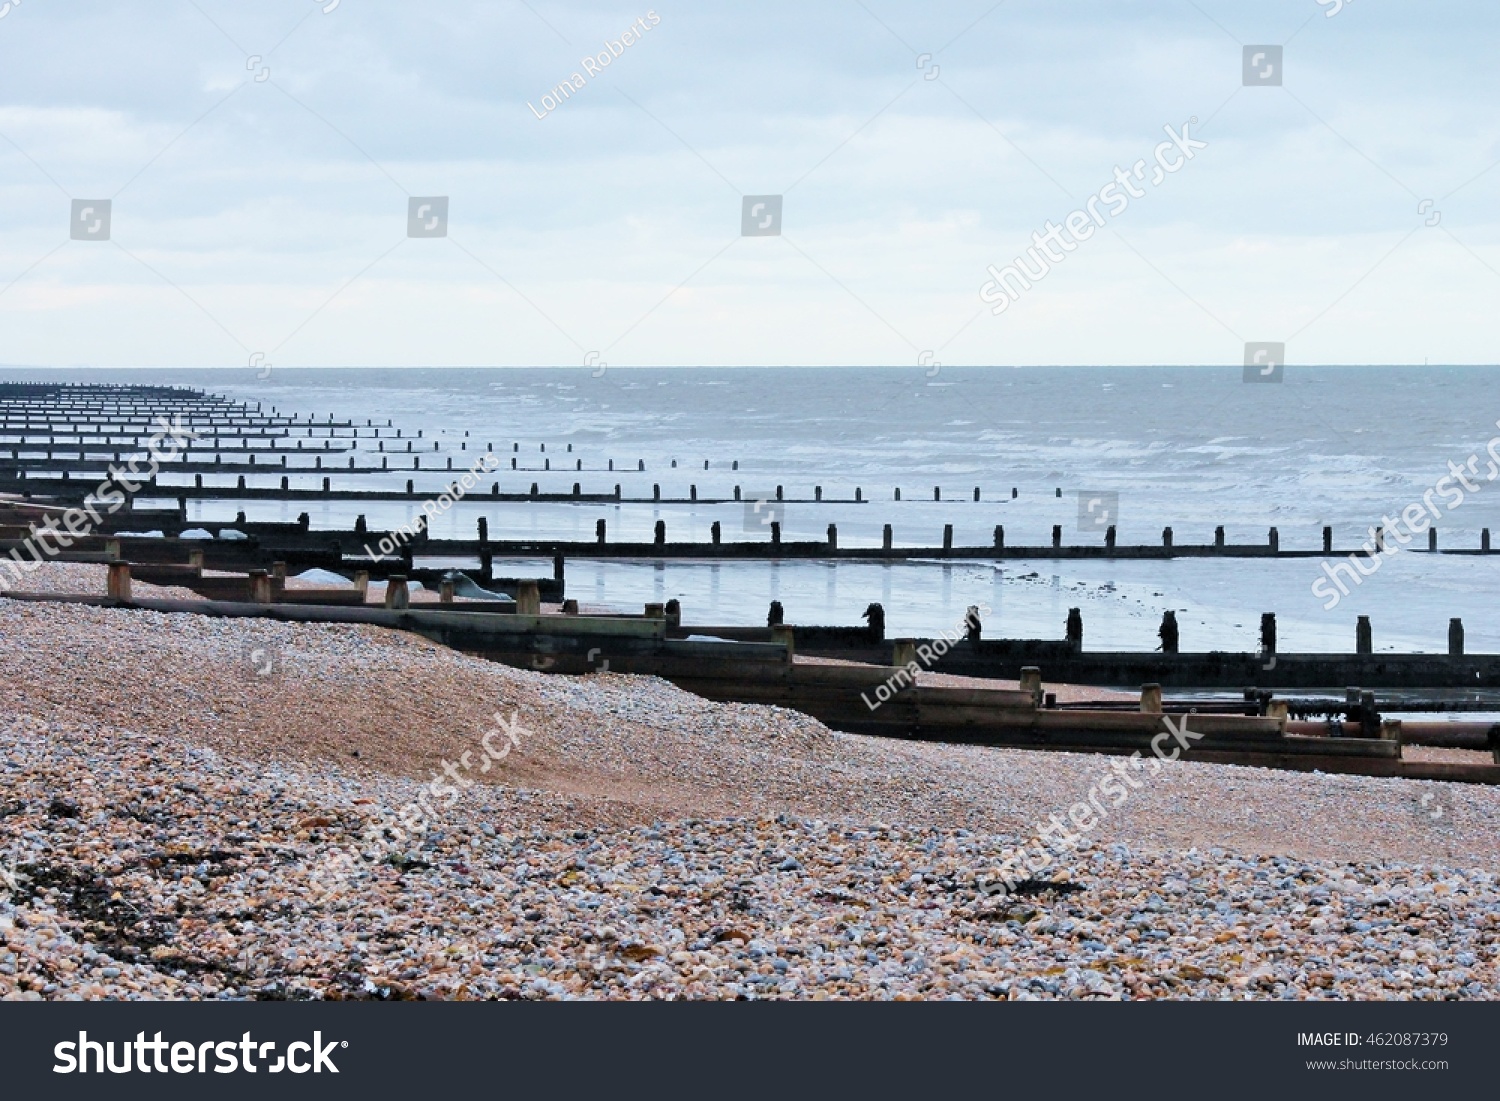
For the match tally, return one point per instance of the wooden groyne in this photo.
(1068, 661)
(58, 443)
(879, 700)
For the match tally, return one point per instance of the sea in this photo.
(1191, 448)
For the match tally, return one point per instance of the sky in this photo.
(262, 160)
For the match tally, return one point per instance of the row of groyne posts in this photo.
(43, 426)
(1358, 716)
(1364, 638)
(268, 587)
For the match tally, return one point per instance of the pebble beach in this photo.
(174, 790)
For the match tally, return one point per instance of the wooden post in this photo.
(903, 652)
(528, 598)
(362, 582)
(1075, 628)
(599, 531)
(1167, 632)
(775, 615)
(937, 493)
(716, 533)
(859, 494)
(1455, 638)
(779, 494)
(1390, 730)
(1166, 537)
(947, 538)
(278, 570)
(999, 536)
(976, 493)
(776, 533)
(570, 607)
(1151, 699)
(1369, 718)
(1031, 681)
(1057, 535)
(1328, 540)
(195, 560)
(118, 581)
(661, 533)
(1219, 538)
(973, 626)
(817, 493)
(1484, 540)
(1363, 640)
(885, 538)
(1432, 540)
(673, 612)
(112, 548)
(1275, 540)
(1278, 710)
(1109, 537)
(397, 595)
(833, 537)
(1267, 634)
(656, 611)
(445, 591)
(260, 587)
(783, 635)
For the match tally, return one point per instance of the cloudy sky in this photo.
(260, 156)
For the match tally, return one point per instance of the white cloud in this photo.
(281, 192)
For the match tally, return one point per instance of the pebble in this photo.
(167, 820)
